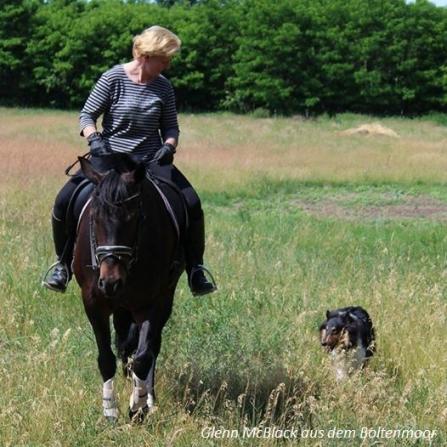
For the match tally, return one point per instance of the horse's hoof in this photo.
(139, 415)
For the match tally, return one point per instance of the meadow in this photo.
(300, 219)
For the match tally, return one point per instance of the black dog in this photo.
(348, 335)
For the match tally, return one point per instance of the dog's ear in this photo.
(328, 314)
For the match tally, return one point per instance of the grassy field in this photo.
(300, 219)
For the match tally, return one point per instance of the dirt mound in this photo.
(408, 207)
(370, 129)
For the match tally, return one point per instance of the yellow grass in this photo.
(226, 150)
(241, 148)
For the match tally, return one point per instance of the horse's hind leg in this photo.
(126, 337)
(163, 315)
(149, 342)
(106, 359)
(150, 381)
(142, 397)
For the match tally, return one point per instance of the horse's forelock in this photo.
(111, 190)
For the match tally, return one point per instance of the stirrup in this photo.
(45, 283)
(198, 268)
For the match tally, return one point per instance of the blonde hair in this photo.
(156, 41)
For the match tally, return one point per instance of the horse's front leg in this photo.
(99, 319)
(142, 398)
(126, 338)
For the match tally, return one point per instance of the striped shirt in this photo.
(137, 118)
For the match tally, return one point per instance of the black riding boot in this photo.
(194, 249)
(60, 274)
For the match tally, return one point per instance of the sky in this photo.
(436, 2)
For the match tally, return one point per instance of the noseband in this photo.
(122, 253)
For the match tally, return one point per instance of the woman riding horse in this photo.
(139, 118)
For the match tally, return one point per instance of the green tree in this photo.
(274, 64)
(287, 56)
(83, 40)
(52, 69)
(418, 80)
(380, 56)
(201, 70)
(15, 32)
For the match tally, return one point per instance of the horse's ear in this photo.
(88, 170)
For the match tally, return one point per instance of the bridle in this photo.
(124, 254)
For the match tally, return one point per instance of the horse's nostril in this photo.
(110, 287)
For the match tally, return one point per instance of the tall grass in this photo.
(249, 354)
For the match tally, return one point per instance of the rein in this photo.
(122, 202)
(69, 168)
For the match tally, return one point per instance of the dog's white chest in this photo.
(345, 362)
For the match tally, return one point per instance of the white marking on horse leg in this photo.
(150, 400)
(140, 396)
(110, 409)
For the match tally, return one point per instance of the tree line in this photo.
(282, 56)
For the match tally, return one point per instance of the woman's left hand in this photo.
(165, 155)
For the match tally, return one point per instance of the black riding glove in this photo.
(97, 145)
(165, 155)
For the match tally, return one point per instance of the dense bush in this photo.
(287, 56)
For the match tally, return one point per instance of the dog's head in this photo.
(334, 332)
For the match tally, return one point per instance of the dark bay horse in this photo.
(127, 262)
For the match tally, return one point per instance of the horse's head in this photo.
(115, 220)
